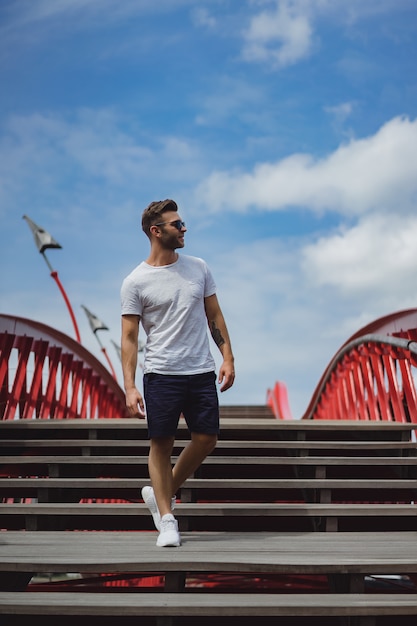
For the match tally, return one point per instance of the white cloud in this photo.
(95, 13)
(356, 10)
(340, 112)
(378, 172)
(377, 258)
(282, 36)
(49, 151)
(34, 23)
(284, 32)
(264, 297)
(290, 305)
(202, 17)
(230, 98)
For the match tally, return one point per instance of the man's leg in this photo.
(160, 472)
(190, 459)
(201, 412)
(163, 397)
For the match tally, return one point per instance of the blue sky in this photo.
(285, 129)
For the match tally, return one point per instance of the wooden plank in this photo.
(135, 484)
(214, 490)
(291, 553)
(211, 460)
(336, 445)
(205, 510)
(122, 605)
(227, 424)
(231, 429)
(250, 412)
(207, 516)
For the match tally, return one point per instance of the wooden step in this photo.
(236, 466)
(114, 460)
(125, 605)
(274, 553)
(224, 447)
(212, 516)
(212, 489)
(231, 428)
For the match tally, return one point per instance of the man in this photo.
(174, 297)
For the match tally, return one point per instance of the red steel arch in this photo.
(372, 376)
(45, 374)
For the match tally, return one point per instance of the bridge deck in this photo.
(255, 428)
(196, 605)
(295, 553)
(284, 480)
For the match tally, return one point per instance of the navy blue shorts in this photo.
(167, 396)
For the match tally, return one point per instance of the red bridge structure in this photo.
(322, 507)
(372, 376)
(47, 375)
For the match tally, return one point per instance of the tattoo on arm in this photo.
(216, 334)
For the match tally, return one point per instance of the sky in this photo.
(286, 130)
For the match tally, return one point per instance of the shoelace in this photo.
(168, 524)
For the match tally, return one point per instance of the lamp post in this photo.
(43, 241)
(96, 324)
(118, 350)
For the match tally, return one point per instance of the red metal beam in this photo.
(55, 376)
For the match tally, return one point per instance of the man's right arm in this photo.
(130, 339)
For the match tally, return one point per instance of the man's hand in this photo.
(134, 403)
(226, 375)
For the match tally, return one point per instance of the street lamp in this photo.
(43, 241)
(118, 349)
(96, 324)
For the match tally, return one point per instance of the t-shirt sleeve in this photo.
(130, 301)
(210, 285)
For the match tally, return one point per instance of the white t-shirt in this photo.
(170, 303)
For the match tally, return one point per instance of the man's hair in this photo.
(153, 213)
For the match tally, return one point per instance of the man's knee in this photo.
(162, 445)
(205, 441)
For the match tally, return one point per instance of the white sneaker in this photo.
(169, 535)
(150, 501)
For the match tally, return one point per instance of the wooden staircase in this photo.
(277, 502)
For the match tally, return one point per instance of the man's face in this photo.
(172, 232)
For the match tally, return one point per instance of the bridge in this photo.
(312, 520)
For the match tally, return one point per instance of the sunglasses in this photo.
(179, 224)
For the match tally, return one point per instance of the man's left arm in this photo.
(218, 330)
